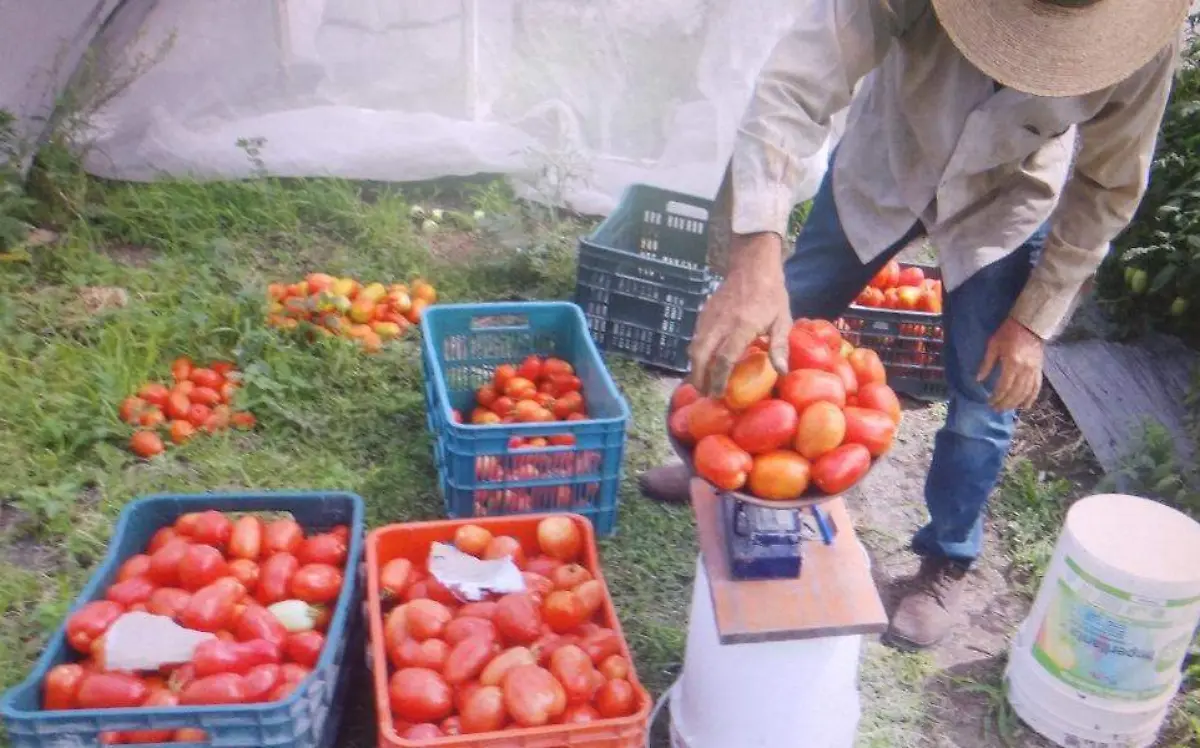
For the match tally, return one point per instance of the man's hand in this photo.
(751, 302)
(1019, 353)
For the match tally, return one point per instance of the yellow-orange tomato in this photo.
(472, 539)
(868, 368)
(822, 429)
(720, 461)
(779, 476)
(424, 291)
(483, 417)
(416, 310)
(752, 380)
(181, 431)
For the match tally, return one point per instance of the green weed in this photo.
(1028, 511)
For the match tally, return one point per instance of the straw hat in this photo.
(1060, 47)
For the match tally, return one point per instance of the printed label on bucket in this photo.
(1111, 643)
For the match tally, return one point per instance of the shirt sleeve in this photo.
(1111, 171)
(808, 78)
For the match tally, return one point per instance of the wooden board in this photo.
(1111, 389)
(834, 595)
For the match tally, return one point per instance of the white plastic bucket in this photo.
(792, 694)
(1100, 653)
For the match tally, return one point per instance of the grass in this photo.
(894, 697)
(194, 260)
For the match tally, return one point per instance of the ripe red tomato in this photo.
(423, 732)
(325, 548)
(213, 528)
(825, 331)
(256, 622)
(101, 690)
(722, 462)
(530, 368)
(591, 593)
(151, 418)
(467, 659)
(841, 468)
(146, 444)
(201, 566)
(246, 538)
(822, 428)
(485, 610)
(130, 592)
(275, 577)
(177, 405)
(131, 408)
(181, 368)
(496, 670)
(483, 710)
(616, 698)
(261, 681)
(154, 393)
(181, 431)
(164, 563)
(185, 525)
(580, 714)
(90, 622)
(316, 583)
(751, 380)
(394, 578)
(803, 387)
(420, 695)
(223, 688)
(426, 619)
(888, 276)
(134, 566)
(472, 540)
(781, 475)
(807, 351)
(206, 378)
(601, 645)
(304, 647)
(211, 608)
(217, 656)
(543, 565)
(845, 372)
(283, 536)
(868, 368)
(707, 417)
(615, 666)
(61, 686)
(160, 538)
(574, 670)
(765, 426)
(431, 654)
(910, 276)
(684, 395)
(167, 601)
(559, 538)
(205, 396)
(570, 576)
(463, 628)
(532, 696)
(873, 429)
(506, 546)
(518, 619)
(563, 611)
(880, 397)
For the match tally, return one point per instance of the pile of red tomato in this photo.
(217, 573)
(200, 399)
(902, 288)
(822, 423)
(370, 314)
(538, 390)
(528, 659)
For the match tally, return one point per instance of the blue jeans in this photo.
(824, 275)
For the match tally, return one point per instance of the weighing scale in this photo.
(763, 539)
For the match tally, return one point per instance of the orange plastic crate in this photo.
(412, 541)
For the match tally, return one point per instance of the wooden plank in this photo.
(1111, 389)
(834, 595)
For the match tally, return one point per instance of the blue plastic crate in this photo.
(477, 472)
(309, 718)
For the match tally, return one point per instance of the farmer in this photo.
(963, 130)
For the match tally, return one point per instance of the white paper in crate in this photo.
(142, 641)
(472, 579)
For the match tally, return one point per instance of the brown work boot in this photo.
(670, 484)
(926, 614)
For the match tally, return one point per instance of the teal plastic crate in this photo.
(309, 718)
(478, 473)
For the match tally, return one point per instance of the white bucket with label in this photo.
(791, 694)
(1099, 656)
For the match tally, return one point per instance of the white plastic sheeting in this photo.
(574, 99)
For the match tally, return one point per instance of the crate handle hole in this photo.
(503, 321)
(687, 211)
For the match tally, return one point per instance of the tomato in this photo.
(228, 391)
(181, 368)
(181, 677)
(191, 735)
(100, 690)
(61, 686)
(245, 571)
(504, 372)
(873, 429)
(720, 461)
(559, 538)
(567, 404)
(532, 696)
(570, 576)
(181, 431)
(146, 444)
(394, 578)
(804, 387)
(461, 629)
(130, 592)
(201, 566)
(870, 297)
(518, 619)
(822, 428)
(134, 566)
(151, 418)
(506, 546)
(882, 398)
(185, 524)
(165, 562)
(592, 594)
(177, 405)
(223, 688)
(282, 691)
(282, 536)
(601, 645)
(554, 367)
(867, 367)
(316, 583)
(930, 301)
(765, 426)
(275, 576)
(293, 673)
(842, 468)
(246, 538)
(574, 670)
(615, 666)
(167, 601)
(679, 424)
(183, 388)
(304, 647)
(707, 417)
(420, 695)
(563, 611)
(213, 528)
(223, 368)
(205, 396)
(911, 276)
(807, 351)
(472, 539)
(684, 395)
(496, 670)
(888, 276)
(325, 548)
(466, 660)
(616, 698)
(485, 609)
(426, 619)
(781, 475)
(256, 622)
(537, 585)
(531, 368)
(483, 710)
(160, 538)
(131, 408)
(543, 565)
(90, 622)
(845, 372)
(823, 330)
(206, 378)
(580, 714)
(211, 608)
(751, 380)
(260, 681)
(154, 393)
(214, 656)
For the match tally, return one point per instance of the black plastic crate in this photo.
(908, 342)
(643, 276)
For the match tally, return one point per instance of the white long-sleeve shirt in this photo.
(930, 138)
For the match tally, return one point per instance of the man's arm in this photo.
(1111, 171)
(809, 77)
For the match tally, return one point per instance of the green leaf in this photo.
(1162, 278)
